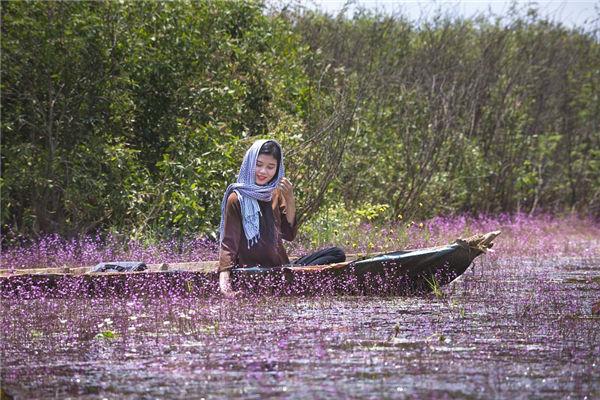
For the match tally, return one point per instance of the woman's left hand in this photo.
(287, 189)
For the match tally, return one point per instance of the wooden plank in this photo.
(201, 266)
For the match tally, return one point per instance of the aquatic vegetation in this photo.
(522, 236)
(518, 323)
(55, 251)
(436, 290)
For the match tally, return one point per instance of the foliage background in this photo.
(133, 117)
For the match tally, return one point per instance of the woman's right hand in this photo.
(225, 284)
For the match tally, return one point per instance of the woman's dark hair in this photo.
(270, 148)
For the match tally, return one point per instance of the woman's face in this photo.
(266, 167)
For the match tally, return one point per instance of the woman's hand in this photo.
(287, 190)
(225, 284)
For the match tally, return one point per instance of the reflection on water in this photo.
(505, 329)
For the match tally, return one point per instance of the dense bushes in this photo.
(465, 115)
(133, 117)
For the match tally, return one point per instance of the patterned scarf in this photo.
(249, 193)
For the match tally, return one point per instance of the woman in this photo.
(257, 212)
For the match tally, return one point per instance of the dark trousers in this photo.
(329, 255)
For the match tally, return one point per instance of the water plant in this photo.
(435, 287)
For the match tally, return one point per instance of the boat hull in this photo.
(400, 273)
(405, 272)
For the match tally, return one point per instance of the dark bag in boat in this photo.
(120, 266)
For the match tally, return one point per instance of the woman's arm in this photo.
(287, 209)
(228, 252)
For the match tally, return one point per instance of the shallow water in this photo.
(508, 328)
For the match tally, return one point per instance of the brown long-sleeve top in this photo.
(274, 226)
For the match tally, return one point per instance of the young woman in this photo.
(257, 212)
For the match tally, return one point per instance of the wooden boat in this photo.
(397, 273)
